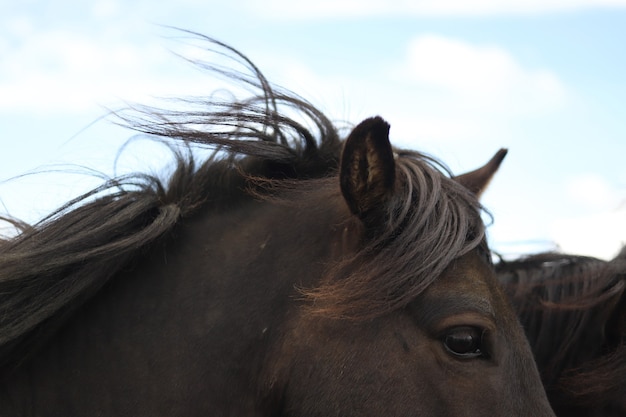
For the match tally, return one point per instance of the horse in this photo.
(291, 272)
(573, 309)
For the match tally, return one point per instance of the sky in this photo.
(457, 79)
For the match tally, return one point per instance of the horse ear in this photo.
(477, 181)
(368, 168)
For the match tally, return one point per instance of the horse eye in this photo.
(464, 342)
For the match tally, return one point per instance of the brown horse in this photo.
(573, 309)
(289, 274)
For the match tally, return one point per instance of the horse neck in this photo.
(214, 292)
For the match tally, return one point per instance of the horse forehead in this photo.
(467, 276)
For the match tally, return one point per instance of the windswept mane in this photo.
(432, 221)
(270, 137)
(573, 309)
(53, 267)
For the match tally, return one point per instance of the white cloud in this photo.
(481, 76)
(58, 71)
(451, 92)
(596, 221)
(546, 227)
(105, 8)
(592, 191)
(601, 234)
(285, 9)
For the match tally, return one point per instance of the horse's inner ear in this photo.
(477, 181)
(367, 168)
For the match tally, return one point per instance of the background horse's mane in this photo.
(574, 313)
(51, 268)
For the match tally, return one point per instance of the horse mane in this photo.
(272, 137)
(53, 267)
(431, 221)
(573, 309)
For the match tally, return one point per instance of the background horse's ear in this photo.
(367, 169)
(477, 181)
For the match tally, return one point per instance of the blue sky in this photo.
(457, 79)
